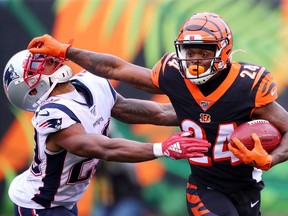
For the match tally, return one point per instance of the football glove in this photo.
(257, 157)
(46, 44)
(181, 145)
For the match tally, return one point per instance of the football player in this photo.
(71, 123)
(211, 95)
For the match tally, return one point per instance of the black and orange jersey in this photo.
(215, 116)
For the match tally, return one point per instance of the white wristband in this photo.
(157, 149)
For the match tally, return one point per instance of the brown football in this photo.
(269, 135)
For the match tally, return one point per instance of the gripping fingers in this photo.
(235, 151)
(36, 42)
(37, 47)
(239, 145)
(32, 44)
(257, 142)
(255, 137)
(37, 50)
(232, 149)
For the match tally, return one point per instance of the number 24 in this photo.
(220, 151)
(250, 71)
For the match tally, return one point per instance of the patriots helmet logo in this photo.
(10, 75)
(52, 123)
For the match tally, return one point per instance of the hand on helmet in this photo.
(46, 44)
(181, 145)
(257, 157)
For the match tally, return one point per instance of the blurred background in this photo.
(139, 31)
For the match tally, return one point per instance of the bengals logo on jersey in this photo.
(205, 118)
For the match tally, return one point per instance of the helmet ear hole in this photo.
(33, 92)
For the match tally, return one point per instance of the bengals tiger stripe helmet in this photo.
(204, 30)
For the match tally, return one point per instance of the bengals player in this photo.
(211, 96)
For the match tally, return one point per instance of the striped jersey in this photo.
(213, 114)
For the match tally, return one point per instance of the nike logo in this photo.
(273, 91)
(46, 113)
(253, 204)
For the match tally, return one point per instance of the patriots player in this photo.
(211, 95)
(71, 122)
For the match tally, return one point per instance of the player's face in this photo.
(38, 65)
(200, 57)
(49, 65)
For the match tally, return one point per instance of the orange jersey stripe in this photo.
(218, 93)
(259, 74)
(267, 91)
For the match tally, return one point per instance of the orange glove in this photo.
(46, 44)
(257, 157)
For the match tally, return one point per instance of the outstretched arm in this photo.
(76, 141)
(104, 65)
(134, 111)
(112, 67)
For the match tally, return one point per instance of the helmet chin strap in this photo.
(61, 75)
(45, 96)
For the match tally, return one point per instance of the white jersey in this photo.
(60, 179)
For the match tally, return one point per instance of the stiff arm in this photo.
(112, 67)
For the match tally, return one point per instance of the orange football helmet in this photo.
(204, 30)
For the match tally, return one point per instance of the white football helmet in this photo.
(25, 84)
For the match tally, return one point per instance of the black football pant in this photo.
(55, 211)
(202, 201)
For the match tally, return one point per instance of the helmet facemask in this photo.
(196, 73)
(34, 73)
(34, 68)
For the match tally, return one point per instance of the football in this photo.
(269, 135)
